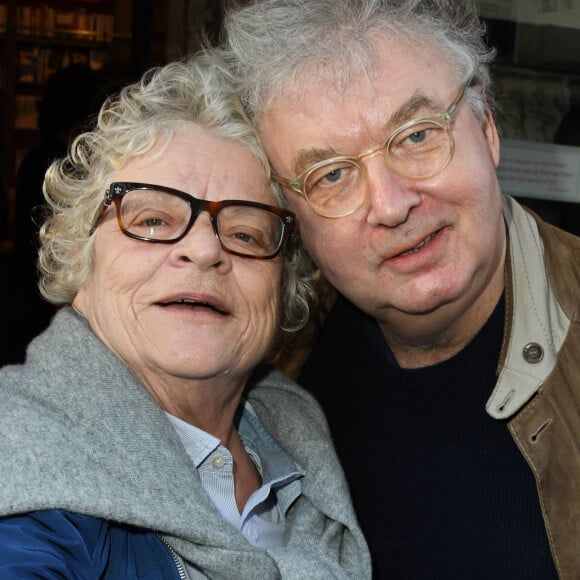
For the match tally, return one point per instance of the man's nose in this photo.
(390, 196)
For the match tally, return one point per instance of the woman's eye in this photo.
(242, 237)
(153, 222)
(239, 239)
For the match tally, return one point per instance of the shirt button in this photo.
(218, 461)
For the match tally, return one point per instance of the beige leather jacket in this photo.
(538, 387)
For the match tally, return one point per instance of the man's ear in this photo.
(490, 133)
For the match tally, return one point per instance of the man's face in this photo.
(414, 247)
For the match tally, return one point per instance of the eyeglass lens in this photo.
(160, 216)
(418, 150)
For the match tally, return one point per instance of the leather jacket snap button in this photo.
(533, 352)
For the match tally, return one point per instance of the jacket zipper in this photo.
(176, 560)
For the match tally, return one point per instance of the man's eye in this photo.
(418, 137)
(333, 176)
(423, 135)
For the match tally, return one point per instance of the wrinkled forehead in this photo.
(342, 75)
(370, 68)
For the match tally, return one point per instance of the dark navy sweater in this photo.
(439, 486)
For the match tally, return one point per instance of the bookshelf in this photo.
(37, 39)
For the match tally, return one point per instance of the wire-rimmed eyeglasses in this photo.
(159, 214)
(418, 149)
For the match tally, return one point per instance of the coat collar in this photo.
(536, 324)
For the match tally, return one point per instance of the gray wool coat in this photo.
(79, 432)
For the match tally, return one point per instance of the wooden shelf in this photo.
(37, 39)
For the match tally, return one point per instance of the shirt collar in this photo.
(276, 465)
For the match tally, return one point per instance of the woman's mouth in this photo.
(193, 304)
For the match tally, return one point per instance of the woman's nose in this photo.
(200, 245)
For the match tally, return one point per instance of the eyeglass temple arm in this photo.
(290, 184)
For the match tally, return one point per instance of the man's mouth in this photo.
(420, 245)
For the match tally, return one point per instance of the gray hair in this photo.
(268, 44)
(187, 93)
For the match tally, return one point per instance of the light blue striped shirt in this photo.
(263, 518)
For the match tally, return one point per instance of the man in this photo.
(448, 365)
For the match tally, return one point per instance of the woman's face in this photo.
(187, 309)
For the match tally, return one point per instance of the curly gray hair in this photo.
(189, 91)
(269, 45)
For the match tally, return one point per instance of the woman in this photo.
(143, 437)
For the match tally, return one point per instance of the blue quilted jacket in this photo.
(44, 544)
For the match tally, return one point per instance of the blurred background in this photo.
(59, 59)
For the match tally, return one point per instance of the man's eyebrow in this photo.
(408, 111)
(308, 157)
